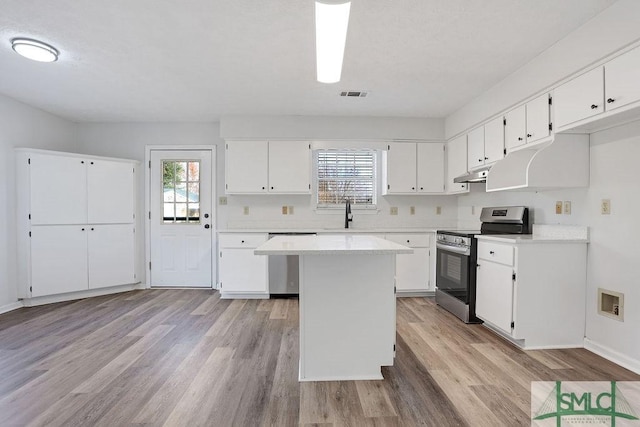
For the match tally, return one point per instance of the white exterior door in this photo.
(181, 218)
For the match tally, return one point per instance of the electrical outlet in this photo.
(473, 210)
(438, 210)
(222, 200)
(567, 207)
(559, 208)
(605, 207)
(393, 210)
(412, 210)
(245, 210)
(284, 210)
(290, 210)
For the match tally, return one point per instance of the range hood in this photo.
(560, 162)
(478, 175)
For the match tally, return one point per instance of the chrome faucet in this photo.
(348, 217)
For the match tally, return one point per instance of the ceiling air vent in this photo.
(354, 94)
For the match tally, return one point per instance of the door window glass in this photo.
(181, 191)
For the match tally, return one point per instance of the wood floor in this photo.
(187, 358)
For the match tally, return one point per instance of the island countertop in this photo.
(330, 245)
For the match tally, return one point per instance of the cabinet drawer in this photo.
(249, 240)
(410, 240)
(496, 252)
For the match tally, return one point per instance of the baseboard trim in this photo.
(241, 295)
(10, 307)
(426, 294)
(51, 299)
(612, 355)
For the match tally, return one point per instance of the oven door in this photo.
(453, 271)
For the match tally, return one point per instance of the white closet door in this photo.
(58, 259)
(110, 192)
(111, 255)
(58, 189)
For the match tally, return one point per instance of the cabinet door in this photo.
(58, 259)
(494, 294)
(242, 271)
(430, 168)
(538, 118)
(412, 270)
(401, 168)
(246, 167)
(494, 140)
(111, 254)
(579, 98)
(456, 164)
(58, 189)
(110, 189)
(475, 147)
(515, 129)
(289, 167)
(621, 84)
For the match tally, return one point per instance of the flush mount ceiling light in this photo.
(332, 20)
(34, 50)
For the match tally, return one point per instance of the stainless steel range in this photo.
(456, 253)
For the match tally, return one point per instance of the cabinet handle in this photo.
(610, 100)
(242, 241)
(91, 228)
(82, 229)
(207, 226)
(263, 188)
(413, 188)
(594, 106)
(82, 161)
(519, 138)
(91, 162)
(491, 252)
(529, 135)
(486, 158)
(422, 188)
(407, 240)
(272, 188)
(480, 160)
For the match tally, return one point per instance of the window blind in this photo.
(346, 174)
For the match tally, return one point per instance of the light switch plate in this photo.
(567, 207)
(605, 207)
(284, 210)
(438, 210)
(412, 210)
(393, 210)
(559, 207)
(245, 210)
(290, 210)
(222, 200)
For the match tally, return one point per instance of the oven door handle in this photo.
(454, 249)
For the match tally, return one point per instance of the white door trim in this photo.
(147, 205)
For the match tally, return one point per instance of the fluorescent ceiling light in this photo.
(35, 50)
(332, 20)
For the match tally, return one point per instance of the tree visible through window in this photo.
(346, 174)
(181, 191)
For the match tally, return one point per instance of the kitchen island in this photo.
(347, 303)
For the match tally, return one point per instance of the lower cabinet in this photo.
(413, 271)
(241, 273)
(533, 292)
(70, 258)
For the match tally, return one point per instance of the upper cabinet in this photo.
(456, 164)
(77, 190)
(485, 144)
(528, 123)
(268, 167)
(413, 168)
(597, 98)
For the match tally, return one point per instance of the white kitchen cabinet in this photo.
(621, 83)
(59, 260)
(527, 123)
(526, 288)
(247, 167)
(413, 271)
(289, 167)
(111, 255)
(494, 140)
(242, 274)
(580, 98)
(268, 167)
(413, 168)
(76, 222)
(456, 164)
(475, 147)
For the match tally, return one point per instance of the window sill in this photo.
(372, 210)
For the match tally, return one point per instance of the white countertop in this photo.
(330, 245)
(331, 230)
(528, 238)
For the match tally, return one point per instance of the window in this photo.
(181, 191)
(346, 174)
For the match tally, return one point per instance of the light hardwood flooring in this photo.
(187, 358)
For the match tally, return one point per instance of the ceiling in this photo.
(198, 60)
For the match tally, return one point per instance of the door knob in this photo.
(207, 226)
(206, 215)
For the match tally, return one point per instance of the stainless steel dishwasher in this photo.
(284, 271)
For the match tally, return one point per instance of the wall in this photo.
(21, 126)
(611, 30)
